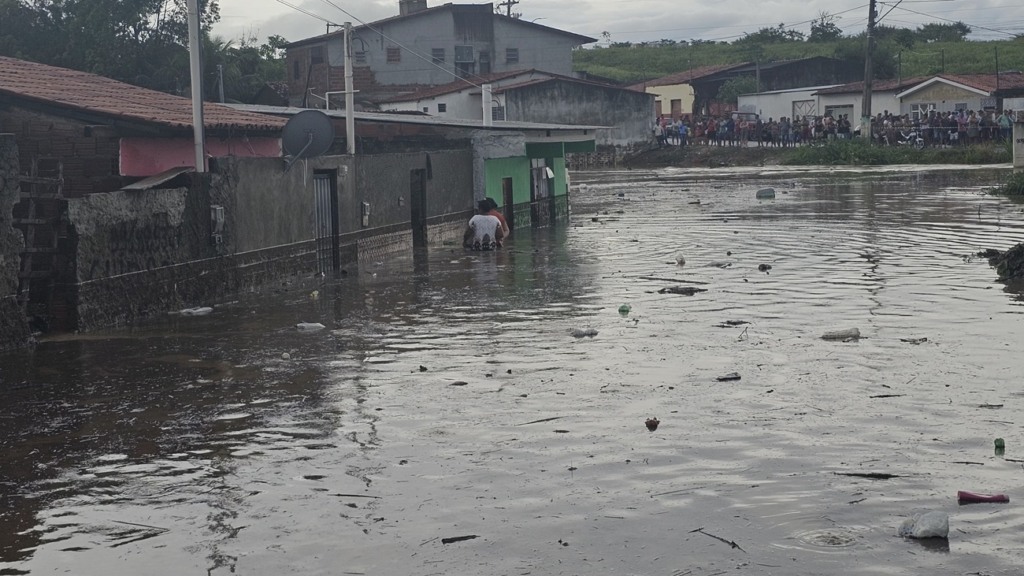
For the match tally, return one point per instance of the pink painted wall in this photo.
(149, 156)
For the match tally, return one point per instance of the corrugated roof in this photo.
(461, 84)
(443, 8)
(86, 92)
(533, 77)
(422, 119)
(686, 76)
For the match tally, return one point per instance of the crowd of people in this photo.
(962, 127)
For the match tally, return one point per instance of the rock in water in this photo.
(683, 290)
(932, 524)
(1010, 265)
(766, 194)
(680, 261)
(848, 334)
(309, 326)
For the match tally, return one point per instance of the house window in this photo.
(437, 54)
(296, 70)
(441, 108)
(316, 55)
(465, 69)
(426, 110)
(394, 55)
(463, 54)
(511, 55)
(960, 107)
(360, 57)
(485, 62)
(498, 113)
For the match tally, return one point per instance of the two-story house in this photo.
(424, 47)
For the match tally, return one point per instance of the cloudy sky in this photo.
(637, 20)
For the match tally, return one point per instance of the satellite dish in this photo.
(308, 134)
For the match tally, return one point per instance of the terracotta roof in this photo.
(560, 78)
(449, 7)
(86, 92)
(686, 76)
(988, 82)
(876, 86)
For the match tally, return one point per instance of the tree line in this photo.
(931, 48)
(141, 42)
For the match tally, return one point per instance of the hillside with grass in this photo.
(899, 52)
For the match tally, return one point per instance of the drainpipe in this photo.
(488, 119)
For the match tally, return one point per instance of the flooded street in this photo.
(448, 397)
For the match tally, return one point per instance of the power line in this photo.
(951, 21)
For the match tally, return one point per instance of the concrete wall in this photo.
(141, 253)
(880, 103)
(14, 331)
(776, 105)
(489, 146)
(944, 97)
(561, 102)
(666, 94)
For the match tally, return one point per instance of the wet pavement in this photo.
(504, 396)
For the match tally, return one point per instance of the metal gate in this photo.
(326, 204)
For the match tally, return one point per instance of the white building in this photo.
(794, 103)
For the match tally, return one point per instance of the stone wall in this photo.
(14, 330)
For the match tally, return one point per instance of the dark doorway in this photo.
(418, 206)
(328, 252)
(508, 202)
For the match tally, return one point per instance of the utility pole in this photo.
(869, 72)
(508, 4)
(195, 65)
(350, 95)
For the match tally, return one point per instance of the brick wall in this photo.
(89, 155)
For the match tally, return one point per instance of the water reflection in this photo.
(446, 397)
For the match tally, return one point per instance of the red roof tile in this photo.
(988, 82)
(82, 91)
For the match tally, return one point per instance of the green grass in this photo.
(632, 64)
(857, 152)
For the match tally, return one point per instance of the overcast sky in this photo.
(637, 20)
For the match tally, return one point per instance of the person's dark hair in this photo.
(483, 206)
(491, 204)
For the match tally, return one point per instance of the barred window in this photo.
(437, 54)
(511, 55)
(394, 55)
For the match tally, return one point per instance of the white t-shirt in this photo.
(485, 230)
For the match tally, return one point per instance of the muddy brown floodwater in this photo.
(449, 397)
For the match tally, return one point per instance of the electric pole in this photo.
(195, 65)
(869, 54)
(508, 4)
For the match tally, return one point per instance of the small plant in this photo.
(1014, 185)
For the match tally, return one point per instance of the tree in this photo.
(824, 28)
(943, 32)
(129, 40)
(776, 35)
(732, 88)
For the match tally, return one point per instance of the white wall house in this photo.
(848, 98)
(795, 103)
